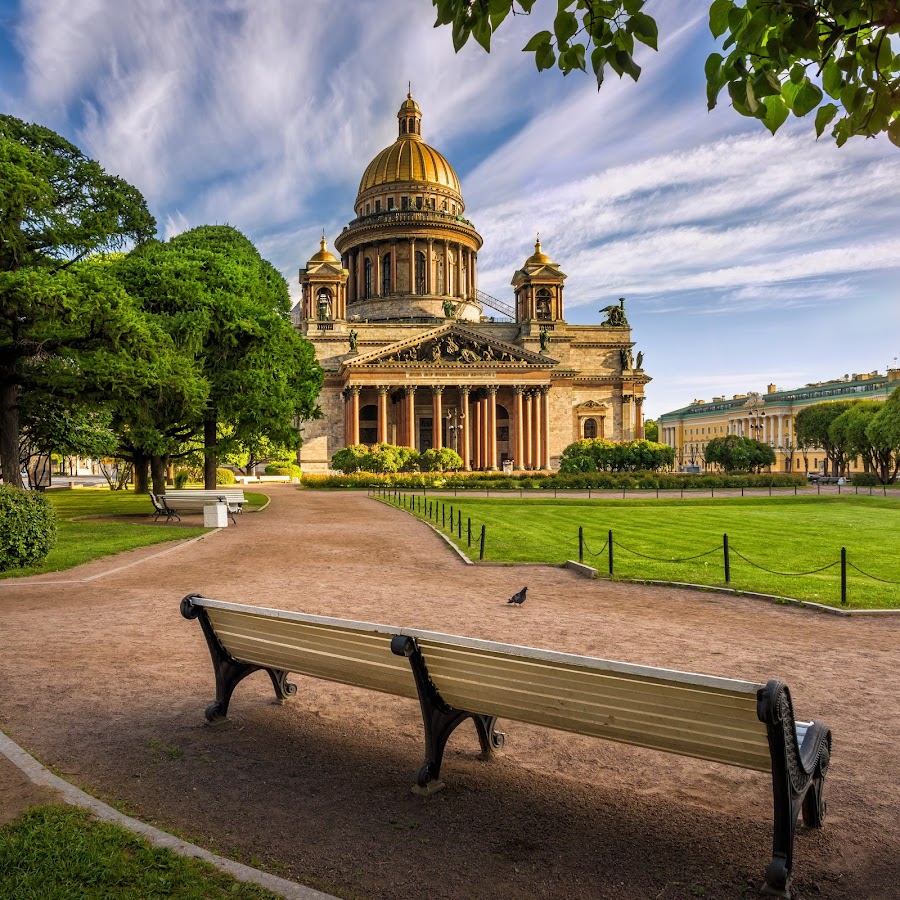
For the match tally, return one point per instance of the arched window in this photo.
(543, 304)
(367, 278)
(368, 424)
(420, 272)
(323, 304)
(502, 424)
(590, 428)
(385, 274)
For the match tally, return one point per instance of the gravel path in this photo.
(104, 681)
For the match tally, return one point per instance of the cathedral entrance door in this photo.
(426, 433)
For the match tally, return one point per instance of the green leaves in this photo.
(718, 16)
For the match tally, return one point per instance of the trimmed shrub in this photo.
(182, 477)
(443, 460)
(865, 479)
(224, 476)
(283, 467)
(27, 527)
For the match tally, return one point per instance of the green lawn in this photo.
(59, 852)
(85, 539)
(783, 534)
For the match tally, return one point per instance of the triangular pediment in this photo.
(453, 345)
(591, 405)
(324, 269)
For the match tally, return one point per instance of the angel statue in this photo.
(449, 309)
(625, 354)
(545, 341)
(640, 360)
(615, 315)
(353, 336)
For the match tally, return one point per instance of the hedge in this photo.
(27, 527)
(551, 481)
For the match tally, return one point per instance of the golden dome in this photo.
(409, 158)
(323, 255)
(538, 258)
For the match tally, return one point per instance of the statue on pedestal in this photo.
(353, 336)
(615, 315)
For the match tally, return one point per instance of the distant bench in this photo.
(173, 502)
(737, 723)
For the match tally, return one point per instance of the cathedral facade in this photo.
(415, 355)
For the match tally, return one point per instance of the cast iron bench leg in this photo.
(228, 671)
(440, 720)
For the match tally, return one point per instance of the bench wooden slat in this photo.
(357, 657)
(626, 708)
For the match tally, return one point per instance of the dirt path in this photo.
(105, 681)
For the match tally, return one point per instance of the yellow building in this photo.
(768, 417)
(416, 355)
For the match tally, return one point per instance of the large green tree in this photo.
(734, 454)
(228, 309)
(779, 56)
(813, 429)
(62, 320)
(883, 433)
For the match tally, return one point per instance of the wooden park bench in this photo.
(736, 723)
(196, 499)
(161, 508)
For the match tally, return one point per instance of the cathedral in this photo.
(416, 355)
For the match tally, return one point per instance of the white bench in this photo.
(736, 723)
(197, 498)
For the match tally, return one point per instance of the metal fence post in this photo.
(459, 524)
(481, 551)
(469, 520)
(727, 560)
(443, 516)
(580, 544)
(843, 576)
(610, 545)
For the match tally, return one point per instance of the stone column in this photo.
(535, 430)
(412, 265)
(465, 431)
(459, 267)
(492, 428)
(436, 412)
(445, 287)
(351, 276)
(626, 417)
(377, 286)
(601, 431)
(476, 435)
(382, 414)
(393, 267)
(639, 418)
(528, 426)
(410, 404)
(354, 414)
(429, 266)
(474, 264)
(360, 281)
(345, 396)
(545, 427)
(518, 425)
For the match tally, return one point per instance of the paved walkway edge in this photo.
(76, 797)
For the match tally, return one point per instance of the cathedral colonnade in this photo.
(486, 424)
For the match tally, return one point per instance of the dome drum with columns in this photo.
(413, 358)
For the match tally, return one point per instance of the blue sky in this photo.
(744, 258)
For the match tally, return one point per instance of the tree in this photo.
(738, 454)
(781, 54)
(228, 309)
(651, 430)
(883, 432)
(598, 455)
(813, 428)
(58, 316)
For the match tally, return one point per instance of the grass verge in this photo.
(653, 540)
(86, 532)
(62, 852)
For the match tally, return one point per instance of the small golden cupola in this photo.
(538, 287)
(324, 286)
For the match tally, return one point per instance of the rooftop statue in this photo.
(615, 315)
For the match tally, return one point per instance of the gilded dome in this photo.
(323, 255)
(409, 158)
(538, 257)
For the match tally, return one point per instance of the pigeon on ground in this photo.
(519, 597)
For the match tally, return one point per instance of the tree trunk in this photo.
(170, 471)
(209, 451)
(10, 467)
(141, 482)
(158, 473)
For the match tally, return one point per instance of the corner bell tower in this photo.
(538, 286)
(324, 286)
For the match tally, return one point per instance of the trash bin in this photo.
(507, 466)
(215, 515)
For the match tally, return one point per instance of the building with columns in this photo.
(769, 418)
(415, 355)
